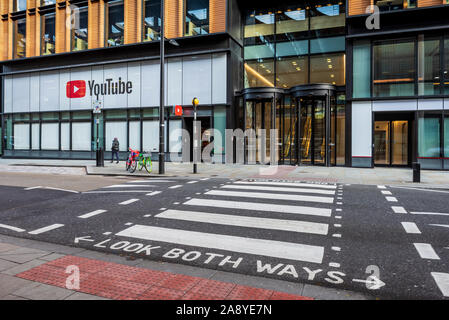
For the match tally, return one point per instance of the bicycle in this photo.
(138, 160)
(145, 162)
(131, 162)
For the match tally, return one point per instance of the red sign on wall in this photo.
(76, 89)
(178, 111)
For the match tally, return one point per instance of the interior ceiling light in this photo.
(330, 66)
(258, 75)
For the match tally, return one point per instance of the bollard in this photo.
(100, 157)
(416, 172)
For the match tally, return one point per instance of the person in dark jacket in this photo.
(115, 148)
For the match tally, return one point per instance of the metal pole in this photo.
(162, 96)
(195, 142)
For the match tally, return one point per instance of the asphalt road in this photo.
(386, 241)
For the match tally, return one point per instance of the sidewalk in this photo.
(33, 270)
(376, 176)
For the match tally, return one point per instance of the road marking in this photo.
(92, 214)
(45, 229)
(262, 188)
(150, 180)
(399, 210)
(124, 203)
(153, 193)
(338, 209)
(322, 186)
(121, 191)
(32, 188)
(51, 188)
(175, 187)
(442, 280)
(431, 213)
(426, 251)
(273, 196)
(339, 203)
(5, 226)
(411, 227)
(129, 186)
(388, 193)
(336, 235)
(391, 199)
(418, 189)
(277, 249)
(147, 215)
(190, 182)
(337, 217)
(107, 233)
(336, 248)
(381, 187)
(440, 225)
(128, 224)
(334, 265)
(249, 222)
(256, 206)
(337, 225)
(204, 179)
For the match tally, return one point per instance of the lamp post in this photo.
(195, 103)
(162, 92)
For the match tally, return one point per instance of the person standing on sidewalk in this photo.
(115, 149)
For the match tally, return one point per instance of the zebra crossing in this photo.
(276, 207)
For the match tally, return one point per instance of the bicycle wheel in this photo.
(133, 166)
(148, 165)
(140, 164)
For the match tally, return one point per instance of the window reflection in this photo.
(328, 68)
(20, 5)
(19, 38)
(291, 71)
(48, 34)
(428, 66)
(197, 17)
(259, 73)
(389, 5)
(152, 20)
(80, 32)
(116, 23)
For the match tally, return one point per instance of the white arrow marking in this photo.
(87, 238)
(374, 283)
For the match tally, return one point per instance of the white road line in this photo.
(411, 227)
(440, 225)
(249, 222)
(5, 226)
(262, 188)
(121, 191)
(381, 187)
(175, 187)
(273, 196)
(150, 180)
(45, 229)
(129, 186)
(92, 214)
(336, 248)
(334, 265)
(256, 206)
(391, 199)
(32, 188)
(153, 193)
(442, 280)
(124, 203)
(388, 193)
(286, 184)
(426, 251)
(190, 182)
(336, 235)
(204, 179)
(276, 249)
(399, 210)
(418, 189)
(431, 213)
(51, 188)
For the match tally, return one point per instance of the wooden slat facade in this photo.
(356, 7)
(430, 3)
(217, 20)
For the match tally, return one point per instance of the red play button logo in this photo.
(76, 89)
(178, 111)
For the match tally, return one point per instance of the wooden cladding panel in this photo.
(130, 21)
(430, 3)
(4, 43)
(173, 17)
(217, 9)
(358, 6)
(60, 31)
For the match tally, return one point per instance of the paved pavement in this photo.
(375, 176)
(356, 238)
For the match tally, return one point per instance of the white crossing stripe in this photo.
(431, 213)
(175, 187)
(150, 180)
(121, 191)
(387, 193)
(442, 280)
(426, 251)
(391, 199)
(274, 196)
(45, 229)
(382, 187)
(244, 221)
(262, 188)
(153, 193)
(399, 210)
(256, 206)
(5, 226)
(288, 184)
(190, 182)
(270, 248)
(129, 186)
(411, 227)
(92, 214)
(124, 203)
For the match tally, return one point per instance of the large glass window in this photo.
(115, 23)
(394, 68)
(79, 31)
(259, 73)
(116, 129)
(152, 20)
(292, 71)
(428, 66)
(329, 68)
(22, 136)
(429, 140)
(81, 136)
(327, 18)
(20, 5)
(50, 136)
(361, 70)
(20, 38)
(292, 23)
(197, 17)
(446, 66)
(385, 5)
(48, 34)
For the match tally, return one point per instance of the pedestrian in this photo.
(115, 148)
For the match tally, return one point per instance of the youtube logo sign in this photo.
(76, 89)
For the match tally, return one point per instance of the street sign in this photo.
(178, 111)
(96, 106)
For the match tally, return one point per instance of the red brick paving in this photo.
(121, 282)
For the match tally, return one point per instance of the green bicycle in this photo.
(144, 161)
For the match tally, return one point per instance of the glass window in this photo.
(428, 67)
(220, 126)
(65, 136)
(175, 136)
(48, 34)
(152, 20)
(19, 38)
(116, 129)
(20, 5)
(446, 137)
(324, 45)
(292, 23)
(327, 18)
(50, 136)
(151, 135)
(35, 136)
(21, 136)
(79, 30)
(115, 114)
(446, 66)
(116, 23)
(81, 136)
(341, 129)
(150, 112)
(292, 48)
(292, 71)
(47, 2)
(49, 116)
(361, 66)
(429, 137)
(134, 135)
(259, 28)
(395, 4)
(259, 73)
(197, 17)
(394, 69)
(81, 115)
(329, 68)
